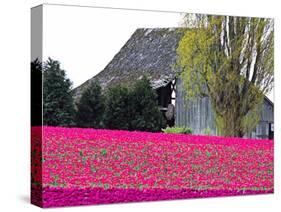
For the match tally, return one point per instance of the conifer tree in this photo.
(117, 114)
(144, 109)
(58, 108)
(90, 108)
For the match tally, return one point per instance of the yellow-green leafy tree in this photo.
(230, 60)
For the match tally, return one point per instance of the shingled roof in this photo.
(149, 52)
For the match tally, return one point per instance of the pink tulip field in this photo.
(75, 166)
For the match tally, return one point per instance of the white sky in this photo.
(85, 39)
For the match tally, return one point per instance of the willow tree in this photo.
(230, 60)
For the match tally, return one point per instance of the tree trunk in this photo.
(230, 125)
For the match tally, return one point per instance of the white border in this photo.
(15, 57)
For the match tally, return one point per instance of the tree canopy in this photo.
(90, 108)
(117, 108)
(144, 109)
(133, 108)
(58, 108)
(230, 60)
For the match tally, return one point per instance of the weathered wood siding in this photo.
(267, 116)
(198, 114)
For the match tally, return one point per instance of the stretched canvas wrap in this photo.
(132, 105)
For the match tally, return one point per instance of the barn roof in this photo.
(268, 100)
(149, 51)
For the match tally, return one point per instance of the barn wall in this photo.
(267, 116)
(198, 115)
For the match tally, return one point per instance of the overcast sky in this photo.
(85, 39)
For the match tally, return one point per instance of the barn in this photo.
(151, 52)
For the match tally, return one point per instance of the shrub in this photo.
(178, 130)
(207, 131)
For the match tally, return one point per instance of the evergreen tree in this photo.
(116, 111)
(90, 108)
(58, 108)
(144, 110)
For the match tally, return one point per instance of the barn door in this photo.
(271, 131)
